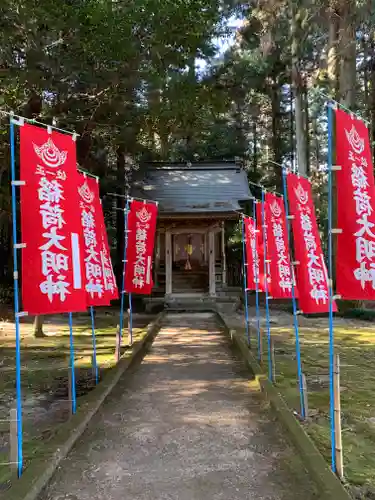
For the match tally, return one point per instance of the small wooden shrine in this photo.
(195, 202)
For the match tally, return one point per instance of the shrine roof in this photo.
(194, 188)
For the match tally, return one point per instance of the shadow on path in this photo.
(183, 425)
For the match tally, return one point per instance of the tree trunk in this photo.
(191, 132)
(307, 128)
(255, 148)
(291, 126)
(300, 127)
(38, 327)
(348, 61)
(316, 142)
(372, 94)
(333, 76)
(298, 86)
(348, 53)
(276, 134)
(365, 47)
(332, 59)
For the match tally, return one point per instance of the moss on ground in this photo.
(355, 342)
(45, 366)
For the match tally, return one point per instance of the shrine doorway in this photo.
(190, 272)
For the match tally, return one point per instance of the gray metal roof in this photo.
(197, 188)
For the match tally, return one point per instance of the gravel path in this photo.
(183, 425)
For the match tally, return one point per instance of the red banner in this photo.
(99, 279)
(110, 286)
(312, 276)
(52, 278)
(252, 260)
(260, 248)
(278, 248)
(355, 262)
(141, 226)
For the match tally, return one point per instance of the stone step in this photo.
(190, 306)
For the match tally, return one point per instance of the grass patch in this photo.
(355, 342)
(44, 375)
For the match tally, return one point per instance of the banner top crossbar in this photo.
(130, 198)
(20, 120)
(348, 110)
(267, 190)
(84, 172)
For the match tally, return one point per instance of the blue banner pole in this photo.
(72, 371)
(123, 271)
(270, 367)
(257, 284)
(16, 302)
(330, 288)
(95, 365)
(294, 301)
(130, 320)
(244, 264)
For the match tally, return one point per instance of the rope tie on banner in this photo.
(20, 121)
(21, 314)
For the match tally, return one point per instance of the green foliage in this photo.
(358, 313)
(122, 74)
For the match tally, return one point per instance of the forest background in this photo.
(177, 80)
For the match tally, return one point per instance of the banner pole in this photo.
(95, 365)
(330, 288)
(257, 284)
(270, 363)
(244, 264)
(16, 302)
(72, 372)
(130, 320)
(123, 272)
(294, 301)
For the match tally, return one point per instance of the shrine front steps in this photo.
(202, 303)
